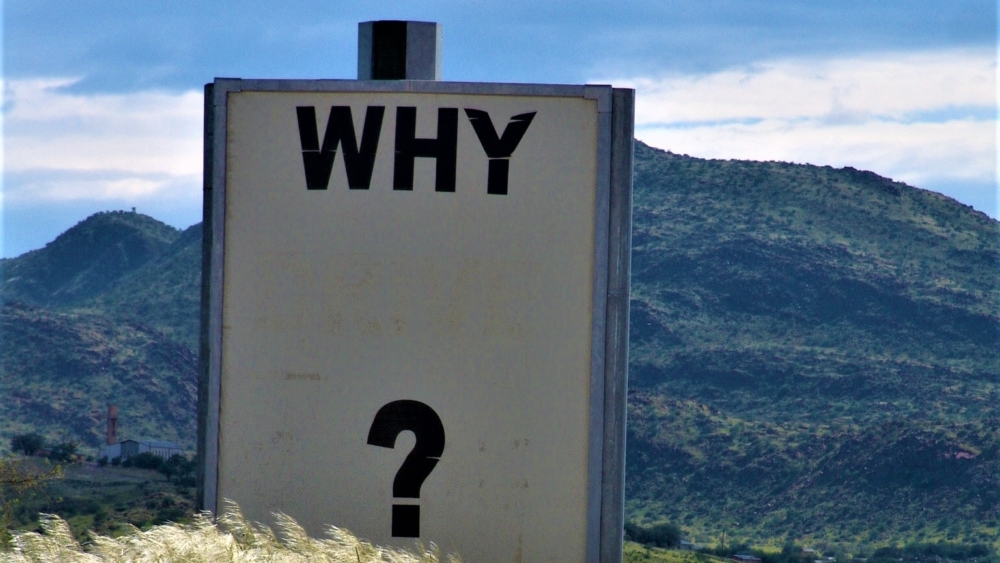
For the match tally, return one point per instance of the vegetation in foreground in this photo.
(15, 481)
(232, 539)
(109, 500)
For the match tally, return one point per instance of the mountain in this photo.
(85, 260)
(814, 352)
(120, 264)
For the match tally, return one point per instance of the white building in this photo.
(129, 448)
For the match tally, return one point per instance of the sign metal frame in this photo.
(612, 254)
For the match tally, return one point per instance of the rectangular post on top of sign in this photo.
(415, 305)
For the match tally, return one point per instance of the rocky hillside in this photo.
(59, 372)
(814, 352)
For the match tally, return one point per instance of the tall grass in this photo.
(232, 539)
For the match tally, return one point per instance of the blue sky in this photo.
(102, 97)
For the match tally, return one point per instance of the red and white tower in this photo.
(112, 425)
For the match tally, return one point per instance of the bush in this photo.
(664, 534)
(27, 444)
(63, 452)
(146, 460)
(102, 514)
(176, 465)
(180, 470)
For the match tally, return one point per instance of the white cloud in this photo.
(35, 186)
(135, 145)
(923, 118)
(886, 86)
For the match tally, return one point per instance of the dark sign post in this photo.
(415, 305)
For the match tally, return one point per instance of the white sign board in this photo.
(409, 321)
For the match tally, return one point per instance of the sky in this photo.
(102, 99)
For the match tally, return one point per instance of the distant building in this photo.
(745, 559)
(130, 448)
(114, 451)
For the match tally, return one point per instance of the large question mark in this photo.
(425, 424)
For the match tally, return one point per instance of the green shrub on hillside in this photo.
(663, 534)
(63, 452)
(146, 460)
(27, 444)
(180, 470)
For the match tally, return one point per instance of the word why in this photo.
(359, 158)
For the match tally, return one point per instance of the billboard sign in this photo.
(416, 320)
